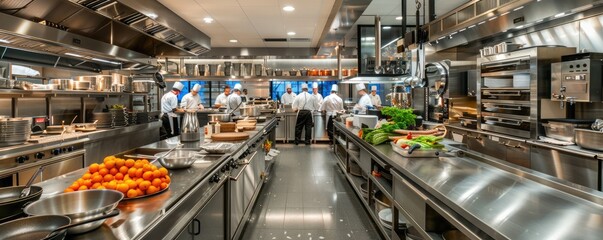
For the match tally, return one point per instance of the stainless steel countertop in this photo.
(502, 204)
(137, 215)
(571, 149)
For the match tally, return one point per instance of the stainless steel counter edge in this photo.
(572, 149)
(475, 189)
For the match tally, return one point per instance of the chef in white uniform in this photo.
(331, 105)
(364, 102)
(304, 104)
(169, 107)
(289, 96)
(375, 99)
(234, 100)
(221, 100)
(315, 93)
(192, 100)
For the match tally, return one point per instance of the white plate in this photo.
(386, 216)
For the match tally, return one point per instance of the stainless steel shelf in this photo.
(505, 73)
(172, 78)
(55, 93)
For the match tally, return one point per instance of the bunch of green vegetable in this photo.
(402, 118)
(376, 136)
(426, 142)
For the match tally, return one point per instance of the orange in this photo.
(156, 174)
(148, 175)
(111, 185)
(123, 170)
(122, 187)
(93, 168)
(132, 184)
(83, 188)
(152, 189)
(139, 172)
(138, 164)
(144, 161)
(139, 180)
(87, 183)
(126, 177)
(102, 165)
(164, 185)
(132, 193)
(144, 185)
(132, 172)
(96, 179)
(119, 163)
(75, 186)
(95, 185)
(101, 187)
(130, 163)
(113, 171)
(103, 171)
(108, 178)
(68, 190)
(139, 192)
(108, 158)
(86, 176)
(167, 179)
(163, 171)
(153, 167)
(110, 163)
(119, 176)
(156, 182)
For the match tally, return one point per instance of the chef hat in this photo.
(288, 85)
(197, 87)
(360, 86)
(238, 86)
(304, 85)
(178, 86)
(373, 88)
(334, 88)
(315, 85)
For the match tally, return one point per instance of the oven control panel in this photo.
(47, 153)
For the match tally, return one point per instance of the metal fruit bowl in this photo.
(217, 147)
(78, 206)
(178, 159)
(589, 139)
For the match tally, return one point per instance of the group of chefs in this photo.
(303, 103)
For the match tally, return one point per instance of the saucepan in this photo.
(78, 206)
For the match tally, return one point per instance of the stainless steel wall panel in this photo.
(29, 107)
(573, 168)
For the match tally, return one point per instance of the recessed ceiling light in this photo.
(291, 33)
(73, 54)
(208, 20)
(399, 18)
(152, 15)
(560, 15)
(233, 40)
(289, 9)
(4, 41)
(387, 27)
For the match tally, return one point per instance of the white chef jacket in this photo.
(234, 101)
(169, 101)
(305, 101)
(332, 104)
(319, 97)
(191, 102)
(375, 100)
(288, 98)
(363, 104)
(222, 99)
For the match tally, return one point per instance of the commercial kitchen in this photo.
(290, 119)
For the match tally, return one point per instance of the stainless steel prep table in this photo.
(286, 128)
(166, 212)
(501, 204)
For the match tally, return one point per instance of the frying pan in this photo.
(11, 204)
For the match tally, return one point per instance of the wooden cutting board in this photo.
(231, 136)
(246, 127)
(228, 127)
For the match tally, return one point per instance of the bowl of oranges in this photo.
(134, 178)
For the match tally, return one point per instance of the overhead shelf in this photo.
(56, 93)
(172, 78)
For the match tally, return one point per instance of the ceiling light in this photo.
(105, 61)
(291, 33)
(4, 41)
(517, 9)
(399, 18)
(233, 40)
(492, 18)
(152, 15)
(387, 27)
(519, 27)
(560, 15)
(208, 20)
(73, 55)
(505, 13)
(289, 9)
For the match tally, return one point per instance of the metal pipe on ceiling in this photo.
(377, 44)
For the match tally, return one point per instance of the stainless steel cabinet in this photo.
(319, 133)
(52, 170)
(209, 224)
(583, 170)
(281, 129)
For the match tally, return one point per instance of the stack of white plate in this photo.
(14, 131)
(521, 80)
(386, 216)
(498, 82)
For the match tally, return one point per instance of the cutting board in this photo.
(246, 127)
(230, 136)
(228, 127)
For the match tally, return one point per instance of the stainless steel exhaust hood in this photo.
(101, 31)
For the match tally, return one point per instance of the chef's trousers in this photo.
(303, 121)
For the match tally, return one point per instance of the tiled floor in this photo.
(308, 197)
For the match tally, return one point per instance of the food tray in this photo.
(217, 147)
(432, 153)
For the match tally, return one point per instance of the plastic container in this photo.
(218, 126)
